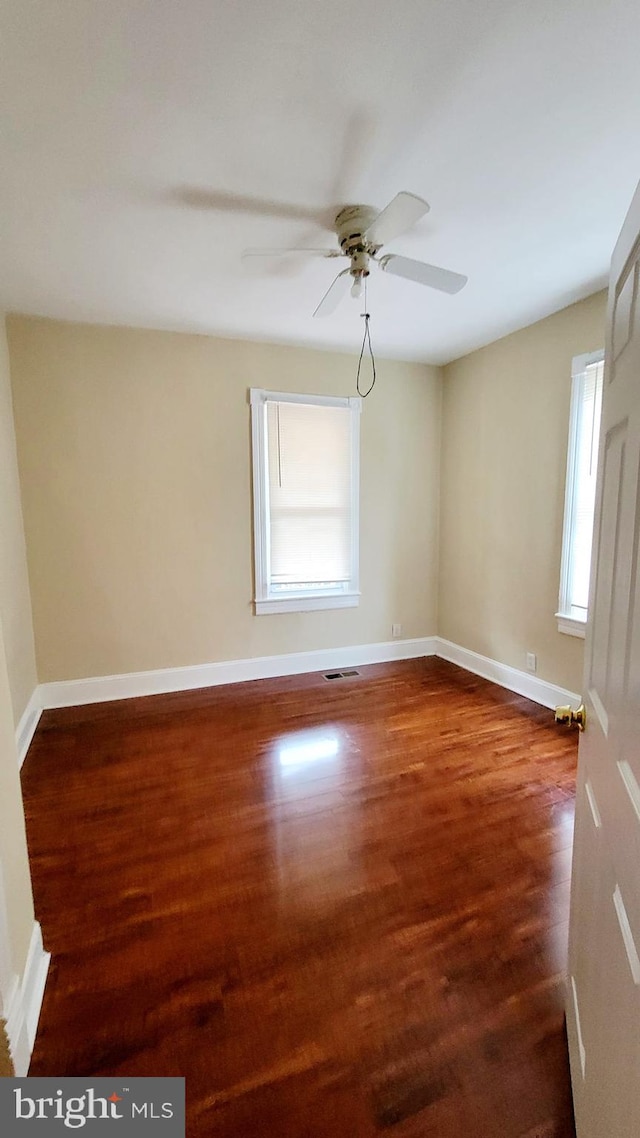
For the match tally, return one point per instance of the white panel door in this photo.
(603, 1008)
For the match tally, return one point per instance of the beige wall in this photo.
(135, 470)
(504, 447)
(17, 681)
(15, 602)
(134, 451)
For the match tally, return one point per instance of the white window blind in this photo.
(305, 501)
(309, 495)
(580, 495)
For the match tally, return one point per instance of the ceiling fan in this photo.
(361, 232)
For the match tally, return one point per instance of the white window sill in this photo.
(307, 604)
(571, 626)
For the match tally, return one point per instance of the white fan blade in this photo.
(334, 294)
(287, 252)
(402, 212)
(422, 273)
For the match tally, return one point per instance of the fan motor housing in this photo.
(351, 225)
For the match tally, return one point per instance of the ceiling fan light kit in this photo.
(362, 231)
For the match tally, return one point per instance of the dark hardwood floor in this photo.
(338, 908)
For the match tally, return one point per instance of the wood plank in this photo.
(336, 908)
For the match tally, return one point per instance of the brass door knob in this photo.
(569, 718)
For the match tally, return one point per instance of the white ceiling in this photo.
(145, 143)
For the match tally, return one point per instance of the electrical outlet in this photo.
(396, 631)
(532, 662)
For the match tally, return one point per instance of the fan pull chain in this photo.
(366, 339)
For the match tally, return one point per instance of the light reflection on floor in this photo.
(315, 825)
(295, 756)
(559, 883)
(563, 822)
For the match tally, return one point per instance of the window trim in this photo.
(571, 625)
(568, 623)
(264, 601)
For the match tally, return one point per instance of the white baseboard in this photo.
(26, 728)
(540, 691)
(24, 1003)
(99, 689)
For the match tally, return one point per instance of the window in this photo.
(580, 494)
(305, 501)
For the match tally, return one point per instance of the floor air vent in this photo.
(341, 675)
